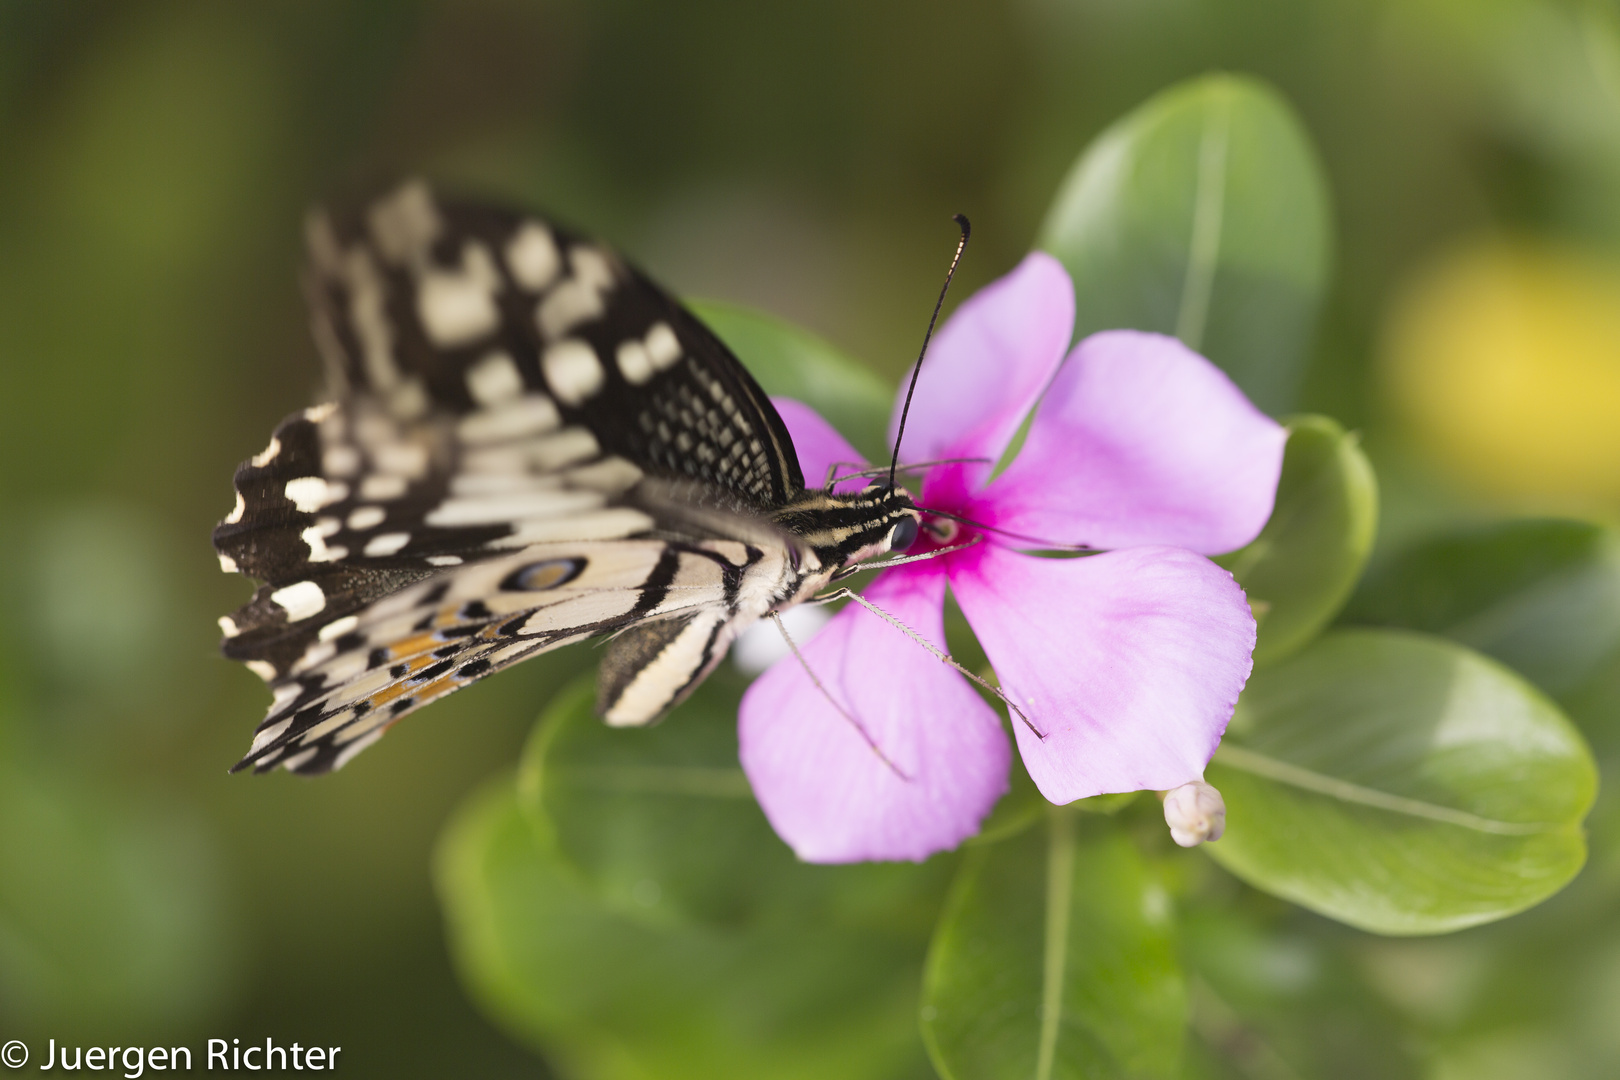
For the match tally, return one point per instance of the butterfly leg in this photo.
(939, 654)
(845, 713)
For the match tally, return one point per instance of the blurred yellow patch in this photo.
(1504, 359)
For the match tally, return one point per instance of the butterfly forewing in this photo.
(510, 402)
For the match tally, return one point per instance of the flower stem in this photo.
(1055, 959)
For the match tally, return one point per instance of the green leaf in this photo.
(1402, 784)
(1203, 213)
(1055, 958)
(791, 362)
(1541, 596)
(1303, 565)
(611, 997)
(652, 818)
(112, 917)
(661, 824)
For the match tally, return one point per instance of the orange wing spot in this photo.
(388, 694)
(421, 643)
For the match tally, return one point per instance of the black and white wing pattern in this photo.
(525, 440)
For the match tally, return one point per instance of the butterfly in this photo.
(528, 444)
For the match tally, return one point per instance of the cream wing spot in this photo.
(532, 414)
(367, 517)
(572, 371)
(569, 446)
(227, 564)
(611, 524)
(409, 400)
(409, 460)
(486, 511)
(493, 379)
(369, 317)
(310, 493)
(634, 362)
(578, 298)
(268, 454)
(315, 537)
(459, 307)
(382, 487)
(591, 267)
(236, 511)
(565, 307)
(406, 222)
(300, 600)
(492, 461)
(663, 347)
(532, 257)
(611, 475)
(340, 460)
(500, 483)
(263, 669)
(386, 544)
(338, 627)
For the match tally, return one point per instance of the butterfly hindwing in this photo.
(445, 632)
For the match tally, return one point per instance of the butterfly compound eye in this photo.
(903, 535)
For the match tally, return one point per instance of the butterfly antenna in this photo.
(967, 230)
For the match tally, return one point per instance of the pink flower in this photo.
(1127, 663)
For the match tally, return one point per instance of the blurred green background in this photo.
(155, 162)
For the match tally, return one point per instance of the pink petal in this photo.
(1129, 663)
(826, 791)
(1140, 440)
(989, 363)
(819, 446)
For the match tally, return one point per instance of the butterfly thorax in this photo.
(843, 529)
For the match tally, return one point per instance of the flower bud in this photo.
(1195, 813)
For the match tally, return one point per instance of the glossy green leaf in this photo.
(1402, 784)
(1055, 958)
(1204, 214)
(1541, 596)
(661, 824)
(611, 997)
(1303, 565)
(791, 362)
